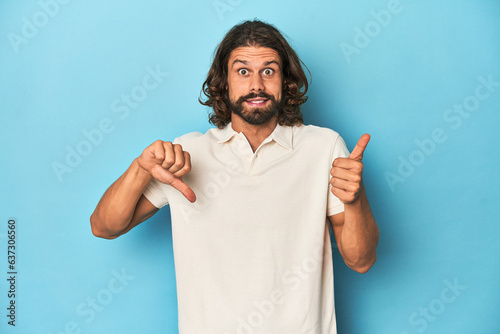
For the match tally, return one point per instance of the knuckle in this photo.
(178, 164)
(159, 154)
(168, 161)
(158, 145)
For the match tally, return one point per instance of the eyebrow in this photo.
(246, 62)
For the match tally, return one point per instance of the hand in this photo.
(346, 173)
(168, 163)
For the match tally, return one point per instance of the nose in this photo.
(256, 83)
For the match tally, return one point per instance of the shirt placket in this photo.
(251, 160)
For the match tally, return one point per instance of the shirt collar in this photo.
(283, 135)
(223, 135)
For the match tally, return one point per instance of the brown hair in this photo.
(255, 33)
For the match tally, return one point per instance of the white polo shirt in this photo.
(253, 254)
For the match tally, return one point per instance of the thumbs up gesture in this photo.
(346, 181)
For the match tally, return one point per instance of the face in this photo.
(255, 83)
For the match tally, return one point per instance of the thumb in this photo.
(357, 152)
(184, 189)
(168, 178)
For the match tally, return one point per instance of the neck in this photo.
(255, 134)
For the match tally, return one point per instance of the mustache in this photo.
(255, 95)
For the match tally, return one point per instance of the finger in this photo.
(179, 159)
(348, 163)
(156, 151)
(152, 155)
(345, 174)
(162, 174)
(168, 155)
(184, 189)
(357, 152)
(344, 196)
(351, 187)
(187, 166)
(166, 177)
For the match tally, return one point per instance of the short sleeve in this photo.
(339, 150)
(155, 194)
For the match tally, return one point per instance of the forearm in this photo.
(116, 208)
(360, 234)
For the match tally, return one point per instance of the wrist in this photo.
(358, 201)
(140, 171)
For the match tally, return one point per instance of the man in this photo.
(249, 199)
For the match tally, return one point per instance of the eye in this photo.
(243, 71)
(268, 71)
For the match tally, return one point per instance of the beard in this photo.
(256, 115)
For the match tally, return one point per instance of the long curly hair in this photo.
(255, 33)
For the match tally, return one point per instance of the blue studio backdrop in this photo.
(85, 86)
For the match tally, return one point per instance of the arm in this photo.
(357, 234)
(123, 206)
(355, 230)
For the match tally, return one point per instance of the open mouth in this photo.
(257, 102)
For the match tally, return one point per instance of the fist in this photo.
(346, 181)
(168, 163)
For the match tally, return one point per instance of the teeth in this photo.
(259, 101)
